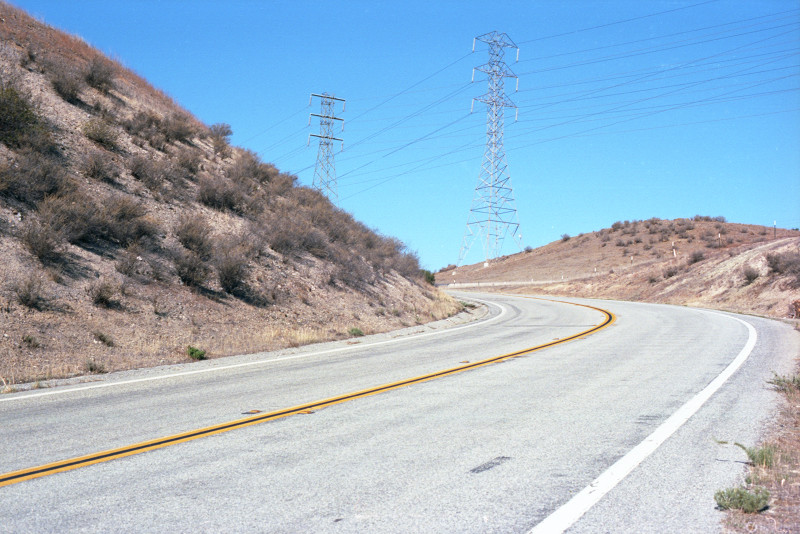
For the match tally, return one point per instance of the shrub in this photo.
(220, 194)
(220, 134)
(195, 353)
(100, 74)
(232, 270)
(178, 127)
(248, 167)
(18, 116)
(191, 269)
(759, 456)
(103, 292)
(104, 338)
(66, 79)
(565, 237)
(355, 332)
(741, 499)
(785, 384)
(124, 221)
(98, 165)
(750, 274)
(429, 277)
(696, 256)
(143, 169)
(189, 160)
(281, 184)
(785, 263)
(194, 234)
(42, 240)
(118, 219)
(670, 272)
(94, 367)
(31, 341)
(147, 125)
(101, 132)
(30, 291)
(33, 178)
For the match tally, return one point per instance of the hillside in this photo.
(130, 231)
(702, 261)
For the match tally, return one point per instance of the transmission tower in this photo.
(493, 213)
(325, 171)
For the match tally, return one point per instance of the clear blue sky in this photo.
(628, 109)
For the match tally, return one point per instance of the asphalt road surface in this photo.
(615, 431)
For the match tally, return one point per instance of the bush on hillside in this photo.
(191, 269)
(750, 274)
(220, 136)
(100, 74)
(248, 167)
(65, 78)
(232, 269)
(32, 178)
(19, 120)
(99, 165)
(221, 194)
(42, 240)
(124, 220)
(189, 160)
(30, 291)
(178, 127)
(696, 256)
(103, 293)
(84, 220)
(194, 233)
(787, 263)
(101, 132)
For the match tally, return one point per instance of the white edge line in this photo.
(569, 513)
(60, 391)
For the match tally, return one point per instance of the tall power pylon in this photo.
(325, 171)
(493, 213)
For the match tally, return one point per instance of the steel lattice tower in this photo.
(493, 213)
(325, 171)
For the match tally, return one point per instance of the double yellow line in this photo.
(104, 456)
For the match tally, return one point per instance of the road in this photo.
(498, 448)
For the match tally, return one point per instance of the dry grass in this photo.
(782, 477)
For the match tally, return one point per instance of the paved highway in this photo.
(581, 436)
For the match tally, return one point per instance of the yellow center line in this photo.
(112, 454)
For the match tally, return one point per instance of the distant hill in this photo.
(703, 261)
(130, 231)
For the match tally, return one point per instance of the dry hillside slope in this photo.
(130, 231)
(702, 261)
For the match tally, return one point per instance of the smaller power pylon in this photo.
(325, 171)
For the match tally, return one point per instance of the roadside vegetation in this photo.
(769, 499)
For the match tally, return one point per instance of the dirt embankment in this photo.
(696, 262)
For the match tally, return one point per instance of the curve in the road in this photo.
(104, 456)
(569, 513)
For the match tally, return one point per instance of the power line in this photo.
(615, 23)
